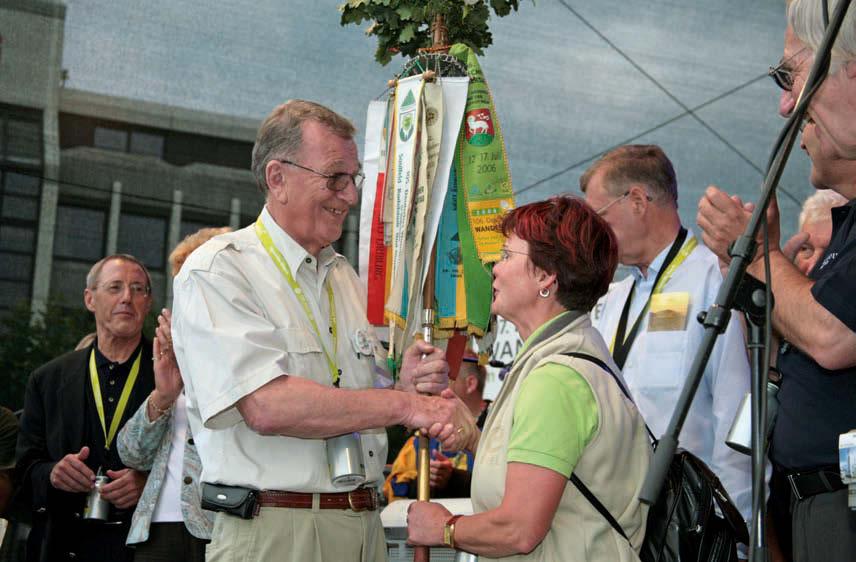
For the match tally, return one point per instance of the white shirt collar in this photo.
(295, 255)
(657, 262)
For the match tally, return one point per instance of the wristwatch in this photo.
(449, 531)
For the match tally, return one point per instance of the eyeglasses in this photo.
(116, 288)
(505, 253)
(335, 182)
(601, 211)
(782, 74)
(604, 208)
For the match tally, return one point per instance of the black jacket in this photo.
(52, 426)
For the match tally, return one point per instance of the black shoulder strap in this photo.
(597, 505)
(574, 479)
(600, 363)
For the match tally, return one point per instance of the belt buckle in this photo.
(372, 500)
(794, 488)
(353, 507)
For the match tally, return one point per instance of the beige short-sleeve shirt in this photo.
(238, 325)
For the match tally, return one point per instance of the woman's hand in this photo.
(461, 435)
(168, 382)
(426, 522)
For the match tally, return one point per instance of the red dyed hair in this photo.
(567, 238)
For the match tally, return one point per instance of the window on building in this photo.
(111, 139)
(190, 226)
(20, 192)
(20, 136)
(144, 237)
(148, 144)
(80, 233)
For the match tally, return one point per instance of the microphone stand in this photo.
(715, 320)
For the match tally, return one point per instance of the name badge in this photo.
(668, 312)
(362, 342)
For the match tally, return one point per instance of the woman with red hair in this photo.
(557, 414)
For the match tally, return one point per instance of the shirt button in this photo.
(188, 480)
(112, 381)
(308, 260)
(111, 366)
(110, 399)
(190, 441)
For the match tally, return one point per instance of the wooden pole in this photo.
(440, 38)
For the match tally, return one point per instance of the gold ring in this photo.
(460, 430)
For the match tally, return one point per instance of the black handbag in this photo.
(683, 524)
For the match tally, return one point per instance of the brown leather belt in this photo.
(361, 499)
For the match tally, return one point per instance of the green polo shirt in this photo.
(555, 416)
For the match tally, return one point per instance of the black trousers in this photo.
(170, 542)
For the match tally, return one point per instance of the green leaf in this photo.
(408, 33)
(405, 12)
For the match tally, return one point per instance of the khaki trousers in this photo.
(298, 535)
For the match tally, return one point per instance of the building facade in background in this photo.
(83, 175)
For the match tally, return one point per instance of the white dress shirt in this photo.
(659, 362)
(237, 325)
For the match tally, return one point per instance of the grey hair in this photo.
(95, 270)
(816, 207)
(630, 164)
(281, 134)
(806, 19)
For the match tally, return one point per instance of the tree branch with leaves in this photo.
(405, 26)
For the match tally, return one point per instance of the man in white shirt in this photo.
(277, 356)
(649, 318)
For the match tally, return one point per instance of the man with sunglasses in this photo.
(814, 315)
(280, 363)
(649, 318)
(73, 410)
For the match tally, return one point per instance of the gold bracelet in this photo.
(157, 410)
(449, 531)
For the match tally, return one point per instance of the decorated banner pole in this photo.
(423, 468)
(442, 182)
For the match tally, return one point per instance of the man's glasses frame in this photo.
(335, 182)
(118, 288)
(600, 211)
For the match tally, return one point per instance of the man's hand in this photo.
(445, 418)
(441, 470)
(125, 487)
(429, 375)
(792, 246)
(71, 474)
(723, 220)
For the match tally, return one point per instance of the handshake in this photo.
(435, 409)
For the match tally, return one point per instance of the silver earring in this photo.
(544, 293)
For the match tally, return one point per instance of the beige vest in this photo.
(613, 465)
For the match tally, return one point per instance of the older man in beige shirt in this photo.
(277, 356)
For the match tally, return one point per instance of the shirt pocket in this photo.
(303, 356)
(660, 365)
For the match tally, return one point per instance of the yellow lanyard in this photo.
(667, 274)
(123, 398)
(282, 265)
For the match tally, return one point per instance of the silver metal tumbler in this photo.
(461, 556)
(97, 508)
(740, 435)
(345, 459)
